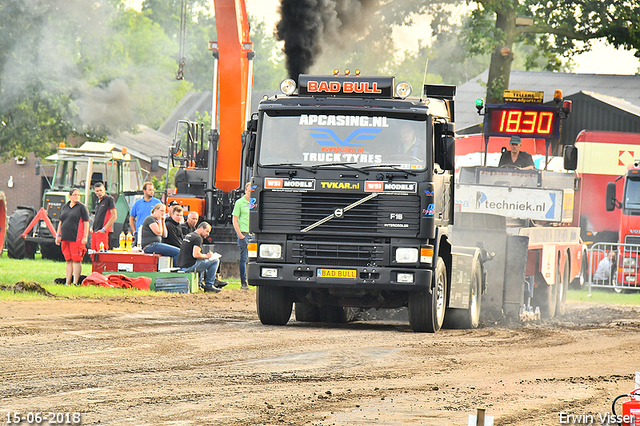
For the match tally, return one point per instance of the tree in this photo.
(557, 28)
(80, 68)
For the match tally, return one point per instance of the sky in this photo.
(602, 59)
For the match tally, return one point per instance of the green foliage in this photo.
(80, 69)
(268, 64)
(560, 29)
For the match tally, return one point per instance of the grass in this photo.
(44, 272)
(604, 297)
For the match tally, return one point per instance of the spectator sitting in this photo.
(153, 231)
(174, 229)
(192, 259)
(603, 273)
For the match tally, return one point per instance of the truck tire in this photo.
(427, 308)
(578, 282)
(17, 247)
(467, 318)
(51, 251)
(274, 305)
(334, 314)
(3, 220)
(306, 312)
(545, 296)
(563, 287)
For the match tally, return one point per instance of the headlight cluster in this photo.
(270, 251)
(407, 255)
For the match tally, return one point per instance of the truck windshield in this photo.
(361, 140)
(632, 194)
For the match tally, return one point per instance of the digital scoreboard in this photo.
(524, 120)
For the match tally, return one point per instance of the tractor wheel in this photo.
(17, 247)
(3, 220)
(274, 305)
(427, 308)
(306, 312)
(51, 251)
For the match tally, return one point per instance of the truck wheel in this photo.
(306, 312)
(51, 251)
(426, 309)
(563, 287)
(274, 305)
(17, 247)
(545, 296)
(467, 318)
(3, 220)
(334, 314)
(578, 282)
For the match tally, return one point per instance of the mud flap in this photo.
(463, 260)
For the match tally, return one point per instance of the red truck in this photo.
(623, 203)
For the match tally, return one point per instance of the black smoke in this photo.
(307, 26)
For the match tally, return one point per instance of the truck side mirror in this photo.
(449, 156)
(570, 157)
(611, 196)
(155, 165)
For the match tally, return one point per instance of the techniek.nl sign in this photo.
(520, 203)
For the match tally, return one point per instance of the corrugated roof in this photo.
(623, 87)
(144, 145)
(201, 101)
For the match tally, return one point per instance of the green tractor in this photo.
(76, 168)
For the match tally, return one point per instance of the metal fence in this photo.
(614, 266)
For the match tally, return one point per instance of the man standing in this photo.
(241, 226)
(519, 159)
(141, 209)
(105, 216)
(191, 258)
(190, 224)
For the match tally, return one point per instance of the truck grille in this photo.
(337, 254)
(632, 239)
(384, 215)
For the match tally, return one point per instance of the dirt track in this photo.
(205, 359)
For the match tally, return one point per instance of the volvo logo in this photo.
(338, 213)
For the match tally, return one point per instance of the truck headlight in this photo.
(629, 262)
(406, 255)
(270, 251)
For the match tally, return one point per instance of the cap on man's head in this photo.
(173, 203)
(515, 139)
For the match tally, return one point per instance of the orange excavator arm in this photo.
(234, 82)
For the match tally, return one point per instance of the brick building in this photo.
(20, 183)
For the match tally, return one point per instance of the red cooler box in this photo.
(125, 261)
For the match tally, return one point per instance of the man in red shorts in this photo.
(105, 217)
(73, 234)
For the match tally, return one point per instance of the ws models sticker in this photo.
(391, 187)
(294, 185)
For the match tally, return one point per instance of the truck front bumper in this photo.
(365, 278)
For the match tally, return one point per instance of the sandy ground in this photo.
(205, 359)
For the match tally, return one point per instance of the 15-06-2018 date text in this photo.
(37, 417)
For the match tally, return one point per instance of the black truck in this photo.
(352, 204)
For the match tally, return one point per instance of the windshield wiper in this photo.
(347, 165)
(297, 165)
(395, 167)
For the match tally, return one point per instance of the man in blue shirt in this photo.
(141, 209)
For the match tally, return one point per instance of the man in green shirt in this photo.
(241, 226)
